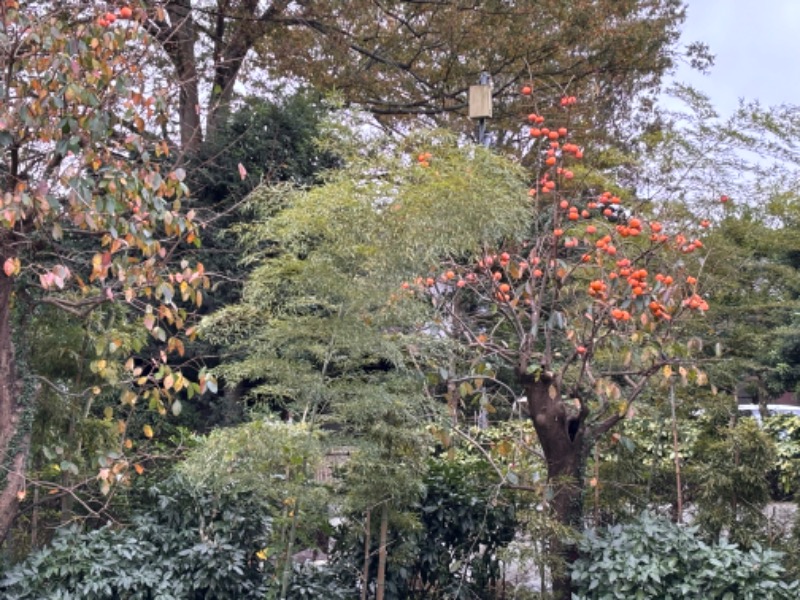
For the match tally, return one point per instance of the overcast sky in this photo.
(757, 49)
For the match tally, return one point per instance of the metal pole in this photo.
(480, 105)
(483, 80)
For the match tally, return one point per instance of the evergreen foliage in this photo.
(654, 559)
(186, 544)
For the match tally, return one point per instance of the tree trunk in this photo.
(14, 436)
(561, 435)
(286, 578)
(677, 458)
(384, 534)
(367, 556)
(178, 40)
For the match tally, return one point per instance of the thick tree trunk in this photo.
(561, 435)
(14, 440)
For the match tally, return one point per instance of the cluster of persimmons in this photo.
(594, 244)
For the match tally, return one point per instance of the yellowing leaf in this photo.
(128, 397)
(148, 431)
(667, 371)
(11, 266)
(504, 448)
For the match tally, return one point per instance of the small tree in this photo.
(91, 213)
(578, 314)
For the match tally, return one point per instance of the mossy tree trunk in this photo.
(14, 441)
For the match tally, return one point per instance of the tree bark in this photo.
(14, 439)
(384, 534)
(677, 458)
(562, 438)
(367, 556)
(177, 37)
(230, 52)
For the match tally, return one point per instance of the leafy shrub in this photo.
(311, 582)
(729, 485)
(461, 523)
(655, 559)
(218, 528)
(464, 524)
(785, 476)
(187, 546)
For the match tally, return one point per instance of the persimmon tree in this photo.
(576, 317)
(91, 214)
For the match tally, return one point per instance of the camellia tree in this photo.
(575, 318)
(91, 212)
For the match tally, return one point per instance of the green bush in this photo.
(220, 527)
(785, 475)
(461, 522)
(186, 547)
(655, 559)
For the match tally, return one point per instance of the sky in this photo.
(757, 49)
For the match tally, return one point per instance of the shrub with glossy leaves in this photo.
(655, 559)
(187, 547)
